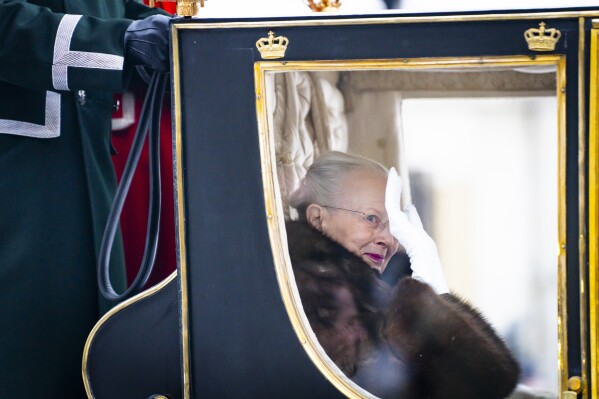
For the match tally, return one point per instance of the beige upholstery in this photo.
(308, 120)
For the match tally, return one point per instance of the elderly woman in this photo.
(414, 340)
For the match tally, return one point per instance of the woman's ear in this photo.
(314, 215)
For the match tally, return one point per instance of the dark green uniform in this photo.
(60, 62)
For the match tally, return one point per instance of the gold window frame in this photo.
(274, 207)
(594, 208)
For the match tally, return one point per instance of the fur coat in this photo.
(396, 342)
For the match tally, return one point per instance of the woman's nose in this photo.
(385, 237)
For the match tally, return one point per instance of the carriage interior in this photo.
(477, 150)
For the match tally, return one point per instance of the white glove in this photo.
(406, 227)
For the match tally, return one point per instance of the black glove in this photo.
(146, 43)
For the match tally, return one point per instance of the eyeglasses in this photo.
(371, 220)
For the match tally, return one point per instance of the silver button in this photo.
(81, 94)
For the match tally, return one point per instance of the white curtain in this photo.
(308, 120)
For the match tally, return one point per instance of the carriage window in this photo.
(488, 186)
(476, 149)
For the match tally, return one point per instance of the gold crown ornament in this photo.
(271, 47)
(323, 5)
(542, 39)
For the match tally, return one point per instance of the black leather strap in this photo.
(149, 120)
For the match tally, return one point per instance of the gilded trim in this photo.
(413, 63)
(582, 204)
(541, 38)
(283, 270)
(271, 47)
(562, 329)
(594, 210)
(273, 203)
(180, 217)
(142, 295)
(381, 20)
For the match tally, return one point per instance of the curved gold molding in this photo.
(273, 202)
(142, 295)
(277, 235)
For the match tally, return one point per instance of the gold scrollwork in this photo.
(323, 5)
(188, 8)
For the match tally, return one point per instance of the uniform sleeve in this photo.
(42, 49)
(450, 348)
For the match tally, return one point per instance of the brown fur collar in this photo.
(406, 342)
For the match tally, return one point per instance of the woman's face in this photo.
(365, 232)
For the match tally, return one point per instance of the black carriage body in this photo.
(241, 342)
(239, 338)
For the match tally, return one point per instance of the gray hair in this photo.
(322, 182)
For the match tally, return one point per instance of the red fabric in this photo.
(135, 210)
(168, 6)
